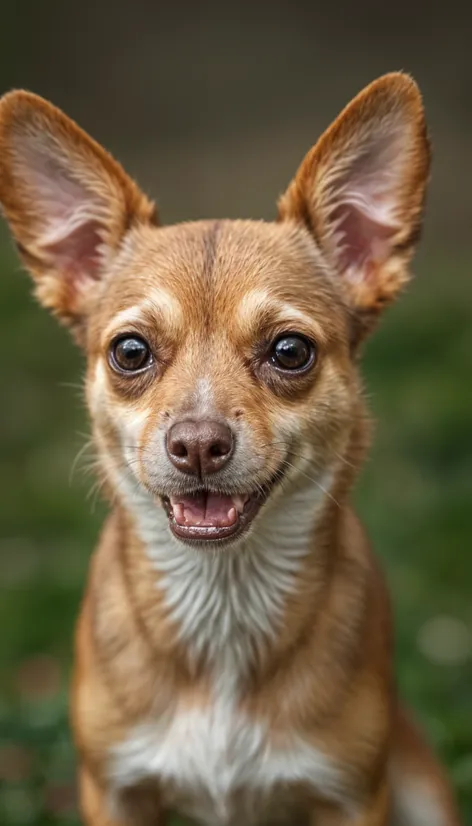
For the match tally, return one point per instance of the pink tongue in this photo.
(211, 510)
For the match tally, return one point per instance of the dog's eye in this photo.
(130, 354)
(292, 353)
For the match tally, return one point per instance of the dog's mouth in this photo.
(210, 516)
(206, 515)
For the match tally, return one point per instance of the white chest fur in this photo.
(235, 598)
(214, 763)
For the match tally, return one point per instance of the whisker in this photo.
(299, 455)
(94, 493)
(77, 458)
(70, 385)
(312, 479)
(343, 459)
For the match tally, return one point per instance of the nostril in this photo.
(200, 447)
(218, 450)
(179, 449)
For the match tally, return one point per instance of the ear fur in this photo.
(67, 201)
(360, 191)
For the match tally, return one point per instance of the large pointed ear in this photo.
(360, 192)
(68, 203)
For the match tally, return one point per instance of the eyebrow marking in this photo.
(131, 315)
(285, 309)
(259, 301)
(159, 302)
(165, 303)
(252, 303)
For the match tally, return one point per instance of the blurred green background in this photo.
(212, 106)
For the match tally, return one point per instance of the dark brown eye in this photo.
(292, 353)
(130, 354)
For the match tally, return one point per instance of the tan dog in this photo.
(233, 654)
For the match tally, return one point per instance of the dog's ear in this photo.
(360, 192)
(68, 203)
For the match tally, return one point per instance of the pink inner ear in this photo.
(71, 212)
(359, 239)
(77, 255)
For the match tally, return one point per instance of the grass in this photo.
(414, 497)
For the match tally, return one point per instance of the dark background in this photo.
(211, 106)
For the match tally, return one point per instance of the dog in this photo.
(234, 647)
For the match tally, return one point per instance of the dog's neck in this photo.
(231, 604)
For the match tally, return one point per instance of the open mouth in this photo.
(210, 516)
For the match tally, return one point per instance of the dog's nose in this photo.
(199, 448)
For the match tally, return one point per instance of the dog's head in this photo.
(221, 355)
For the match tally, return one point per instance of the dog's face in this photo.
(221, 355)
(218, 363)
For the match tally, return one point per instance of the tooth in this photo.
(232, 516)
(178, 511)
(239, 501)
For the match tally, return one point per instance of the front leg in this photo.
(138, 806)
(375, 811)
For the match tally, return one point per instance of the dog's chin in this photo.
(207, 517)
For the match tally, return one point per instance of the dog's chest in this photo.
(213, 762)
(218, 766)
